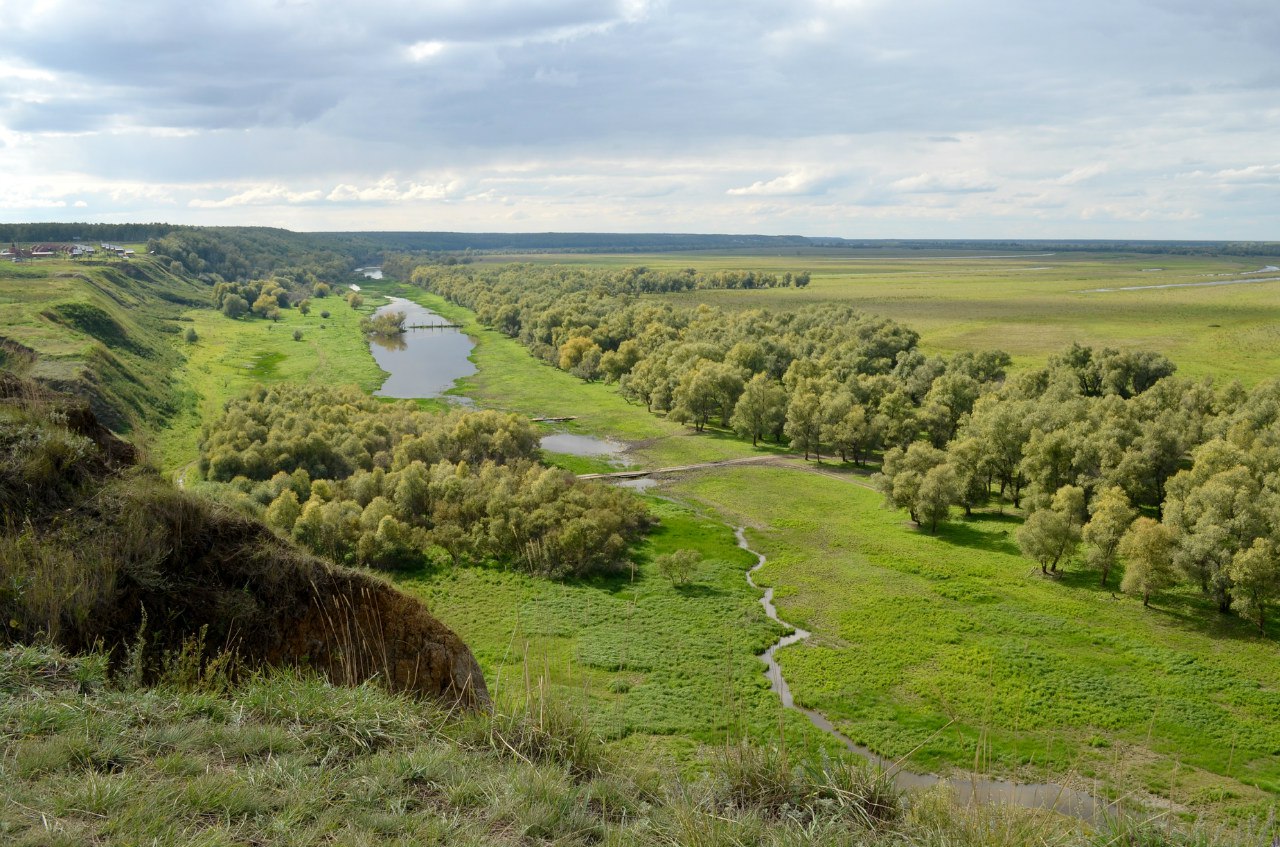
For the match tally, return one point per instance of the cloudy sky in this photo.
(857, 118)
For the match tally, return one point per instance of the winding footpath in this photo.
(966, 789)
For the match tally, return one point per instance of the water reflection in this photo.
(421, 362)
(390, 342)
(581, 445)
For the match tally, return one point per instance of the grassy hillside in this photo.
(106, 331)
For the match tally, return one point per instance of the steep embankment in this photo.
(98, 330)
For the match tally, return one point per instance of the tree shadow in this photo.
(695, 589)
(969, 535)
(1199, 615)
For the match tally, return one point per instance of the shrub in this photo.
(678, 566)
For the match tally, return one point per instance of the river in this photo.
(965, 789)
(422, 361)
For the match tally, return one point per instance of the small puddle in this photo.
(639, 484)
(965, 789)
(585, 446)
(422, 362)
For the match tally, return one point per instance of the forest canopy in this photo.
(380, 485)
(1087, 445)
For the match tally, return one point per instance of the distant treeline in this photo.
(603, 242)
(242, 253)
(68, 232)
(263, 249)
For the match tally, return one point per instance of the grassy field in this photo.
(645, 656)
(1029, 305)
(232, 356)
(1030, 677)
(286, 759)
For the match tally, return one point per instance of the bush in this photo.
(678, 566)
(190, 335)
(297, 335)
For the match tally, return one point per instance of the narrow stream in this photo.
(965, 789)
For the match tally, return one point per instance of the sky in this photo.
(853, 118)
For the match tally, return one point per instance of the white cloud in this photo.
(259, 195)
(965, 182)
(421, 51)
(388, 190)
(795, 184)
(1082, 173)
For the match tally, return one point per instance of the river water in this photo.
(422, 362)
(966, 789)
(582, 445)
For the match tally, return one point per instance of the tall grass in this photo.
(286, 758)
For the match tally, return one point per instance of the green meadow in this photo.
(644, 656)
(951, 650)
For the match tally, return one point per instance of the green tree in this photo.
(852, 434)
(588, 367)
(939, 489)
(572, 351)
(284, 511)
(761, 409)
(1111, 516)
(969, 461)
(804, 423)
(1050, 535)
(234, 306)
(903, 473)
(1255, 574)
(190, 335)
(1147, 551)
